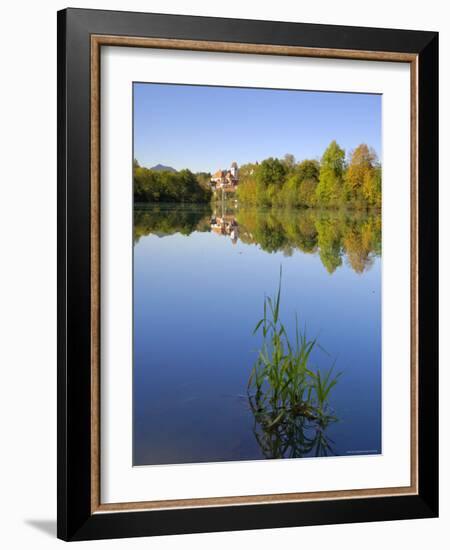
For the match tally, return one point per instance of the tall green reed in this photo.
(283, 386)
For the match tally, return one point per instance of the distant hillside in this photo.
(162, 168)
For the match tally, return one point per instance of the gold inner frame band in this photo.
(97, 41)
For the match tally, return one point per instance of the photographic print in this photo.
(256, 274)
(247, 274)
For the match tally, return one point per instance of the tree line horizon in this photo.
(333, 181)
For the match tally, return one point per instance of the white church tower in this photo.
(234, 170)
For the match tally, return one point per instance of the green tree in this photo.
(166, 186)
(289, 162)
(300, 186)
(246, 191)
(332, 165)
(308, 170)
(270, 177)
(204, 179)
(372, 187)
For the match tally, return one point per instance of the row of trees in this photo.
(331, 182)
(166, 186)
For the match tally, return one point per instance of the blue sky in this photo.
(205, 128)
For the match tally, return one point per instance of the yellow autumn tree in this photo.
(361, 178)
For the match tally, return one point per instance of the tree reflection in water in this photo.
(353, 236)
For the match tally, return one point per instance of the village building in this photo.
(226, 179)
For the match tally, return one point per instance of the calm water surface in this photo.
(200, 277)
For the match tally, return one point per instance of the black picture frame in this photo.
(75, 519)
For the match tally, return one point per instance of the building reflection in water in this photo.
(225, 225)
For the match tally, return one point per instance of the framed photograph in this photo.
(247, 252)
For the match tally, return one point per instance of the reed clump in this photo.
(283, 387)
